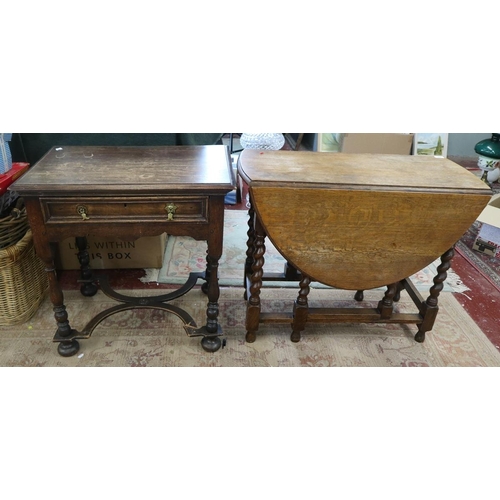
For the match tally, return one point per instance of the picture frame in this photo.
(430, 144)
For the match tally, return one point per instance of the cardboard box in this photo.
(113, 253)
(488, 238)
(397, 144)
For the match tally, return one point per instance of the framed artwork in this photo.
(430, 144)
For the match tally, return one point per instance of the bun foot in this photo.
(68, 348)
(88, 289)
(420, 336)
(250, 337)
(211, 344)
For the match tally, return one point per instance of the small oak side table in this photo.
(129, 192)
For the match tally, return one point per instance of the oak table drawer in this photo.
(126, 209)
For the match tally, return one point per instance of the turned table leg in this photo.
(430, 306)
(66, 347)
(386, 305)
(212, 343)
(399, 289)
(88, 288)
(250, 249)
(300, 309)
(253, 303)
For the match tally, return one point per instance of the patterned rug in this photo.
(487, 266)
(149, 337)
(184, 255)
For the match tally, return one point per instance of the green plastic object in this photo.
(489, 147)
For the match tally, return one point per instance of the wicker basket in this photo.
(13, 227)
(23, 281)
(7, 200)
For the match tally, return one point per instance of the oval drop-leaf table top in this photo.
(359, 221)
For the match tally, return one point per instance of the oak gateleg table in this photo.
(128, 192)
(354, 222)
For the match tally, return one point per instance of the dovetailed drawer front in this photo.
(162, 209)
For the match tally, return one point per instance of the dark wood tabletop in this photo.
(125, 169)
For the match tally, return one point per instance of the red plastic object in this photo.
(18, 169)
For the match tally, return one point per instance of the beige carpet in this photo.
(149, 337)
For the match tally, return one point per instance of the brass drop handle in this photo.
(170, 208)
(82, 210)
